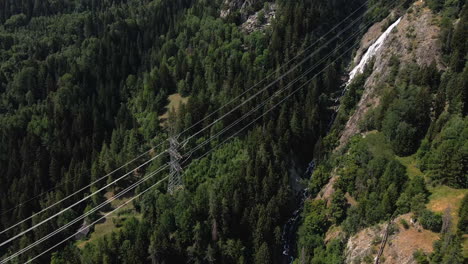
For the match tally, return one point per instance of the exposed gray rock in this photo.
(261, 19)
(231, 6)
(254, 14)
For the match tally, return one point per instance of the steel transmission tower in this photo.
(175, 177)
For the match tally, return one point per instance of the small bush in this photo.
(16, 21)
(368, 259)
(377, 240)
(420, 257)
(124, 212)
(463, 213)
(430, 220)
(393, 229)
(118, 222)
(404, 223)
(261, 18)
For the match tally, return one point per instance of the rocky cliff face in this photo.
(253, 15)
(243, 7)
(413, 40)
(261, 19)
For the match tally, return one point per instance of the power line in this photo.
(73, 178)
(98, 220)
(76, 220)
(281, 67)
(277, 80)
(197, 123)
(71, 206)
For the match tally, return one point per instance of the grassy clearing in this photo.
(175, 100)
(443, 197)
(107, 227)
(411, 166)
(378, 145)
(113, 222)
(100, 230)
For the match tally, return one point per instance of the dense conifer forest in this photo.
(84, 84)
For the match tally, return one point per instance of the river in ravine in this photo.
(290, 228)
(288, 238)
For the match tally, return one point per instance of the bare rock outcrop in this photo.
(261, 19)
(241, 6)
(254, 15)
(401, 244)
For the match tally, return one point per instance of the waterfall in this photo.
(371, 52)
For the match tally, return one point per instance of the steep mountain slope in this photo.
(414, 40)
(403, 44)
(389, 153)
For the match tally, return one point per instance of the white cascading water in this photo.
(371, 52)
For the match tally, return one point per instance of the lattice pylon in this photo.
(175, 176)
